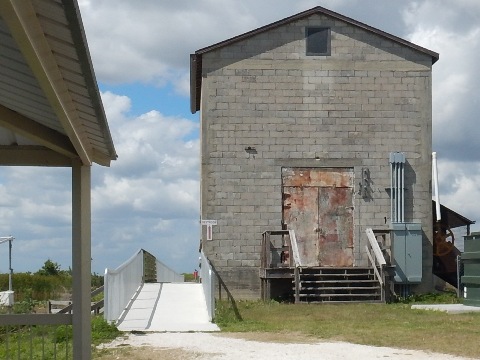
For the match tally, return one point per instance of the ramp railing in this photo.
(122, 284)
(208, 283)
(165, 274)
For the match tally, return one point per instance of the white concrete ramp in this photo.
(167, 307)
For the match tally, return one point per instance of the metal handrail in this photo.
(123, 283)
(208, 284)
(120, 284)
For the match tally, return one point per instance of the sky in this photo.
(149, 197)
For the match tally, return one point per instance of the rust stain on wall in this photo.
(325, 177)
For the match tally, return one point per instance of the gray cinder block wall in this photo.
(370, 97)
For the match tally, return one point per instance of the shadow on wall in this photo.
(410, 181)
(230, 298)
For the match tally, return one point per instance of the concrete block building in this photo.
(317, 123)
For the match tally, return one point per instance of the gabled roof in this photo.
(196, 58)
(50, 106)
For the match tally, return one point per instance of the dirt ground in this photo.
(244, 346)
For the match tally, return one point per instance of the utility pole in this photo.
(9, 239)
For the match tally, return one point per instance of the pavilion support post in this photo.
(81, 260)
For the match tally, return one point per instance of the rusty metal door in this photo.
(318, 205)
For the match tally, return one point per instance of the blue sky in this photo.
(145, 98)
(149, 197)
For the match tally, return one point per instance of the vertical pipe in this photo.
(400, 189)
(391, 189)
(403, 193)
(394, 191)
(10, 265)
(458, 275)
(399, 192)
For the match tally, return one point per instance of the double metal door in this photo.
(318, 205)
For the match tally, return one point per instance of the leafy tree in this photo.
(49, 268)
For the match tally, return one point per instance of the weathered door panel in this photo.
(300, 212)
(318, 205)
(335, 224)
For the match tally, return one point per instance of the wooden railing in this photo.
(297, 263)
(286, 253)
(67, 306)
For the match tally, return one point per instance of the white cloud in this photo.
(150, 41)
(460, 187)
(149, 196)
(453, 30)
(152, 190)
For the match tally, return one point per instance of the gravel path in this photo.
(232, 347)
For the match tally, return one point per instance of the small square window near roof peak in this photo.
(318, 41)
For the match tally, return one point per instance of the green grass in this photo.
(46, 341)
(393, 325)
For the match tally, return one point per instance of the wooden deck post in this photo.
(81, 260)
(297, 284)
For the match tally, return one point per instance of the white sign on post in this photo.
(209, 224)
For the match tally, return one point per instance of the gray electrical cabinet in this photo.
(407, 252)
(471, 274)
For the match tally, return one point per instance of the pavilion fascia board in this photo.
(72, 13)
(196, 58)
(32, 155)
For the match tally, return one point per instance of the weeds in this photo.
(394, 325)
(446, 297)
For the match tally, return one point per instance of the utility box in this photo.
(6, 298)
(471, 263)
(407, 252)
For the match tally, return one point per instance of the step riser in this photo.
(338, 285)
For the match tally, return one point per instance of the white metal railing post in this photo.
(207, 276)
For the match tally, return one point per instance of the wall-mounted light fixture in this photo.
(251, 151)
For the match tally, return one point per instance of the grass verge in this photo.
(392, 325)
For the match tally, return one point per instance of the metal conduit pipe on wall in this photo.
(397, 187)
